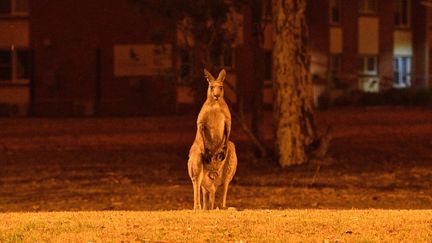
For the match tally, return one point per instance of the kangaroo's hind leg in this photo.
(205, 198)
(195, 169)
(229, 171)
(212, 195)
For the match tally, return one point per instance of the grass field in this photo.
(219, 226)
(125, 179)
(380, 158)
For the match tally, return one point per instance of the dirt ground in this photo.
(380, 158)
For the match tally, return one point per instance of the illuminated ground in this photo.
(381, 159)
(292, 225)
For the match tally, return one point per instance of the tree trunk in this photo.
(292, 87)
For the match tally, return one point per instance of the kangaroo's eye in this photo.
(221, 88)
(211, 87)
(221, 156)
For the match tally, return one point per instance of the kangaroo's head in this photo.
(215, 90)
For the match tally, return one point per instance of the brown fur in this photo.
(212, 157)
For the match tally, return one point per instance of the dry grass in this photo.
(381, 156)
(219, 226)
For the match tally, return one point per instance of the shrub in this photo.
(403, 97)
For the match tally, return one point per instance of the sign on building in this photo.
(142, 60)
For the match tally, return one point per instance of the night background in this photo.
(99, 103)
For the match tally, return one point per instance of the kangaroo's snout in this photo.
(216, 96)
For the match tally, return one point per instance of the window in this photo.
(335, 63)
(22, 64)
(5, 7)
(402, 71)
(14, 7)
(223, 57)
(334, 11)
(21, 6)
(367, 66)
(402, 13)
(367, 6)
(185, 64)
(334, 70)
(5, 65)
(228, 58)
(14, 66)
(368, 72)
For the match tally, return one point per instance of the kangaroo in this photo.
(212, 157)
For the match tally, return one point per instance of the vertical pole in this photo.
(32, 84)
(97, 83)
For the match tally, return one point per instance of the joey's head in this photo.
(214, 160)
(215, 90)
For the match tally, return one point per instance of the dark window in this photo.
(335, 63)
(223, 57)
(23, 64)
(215, 55)
(14, 7)
(402, 8)
(5, 6)
(371, 64)
(5, 65)
(21, 6)
(368, 6)
(335, 11)
(185, 65)
(368, 73)
(368, 65)
(334, 70)
(228, 58)
(14, 65)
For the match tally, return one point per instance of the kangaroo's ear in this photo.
(222, 75)
(208, 76)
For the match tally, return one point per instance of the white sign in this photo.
(142, 60)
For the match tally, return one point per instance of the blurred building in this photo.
(83, 58)
(14, 57)
(370, 44)
(78, 58)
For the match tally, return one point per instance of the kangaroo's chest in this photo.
(214, 121)
(214, 118)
